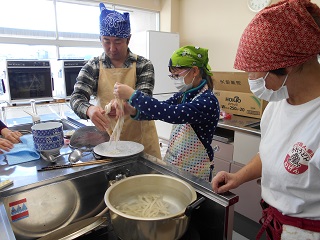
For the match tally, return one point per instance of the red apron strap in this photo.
(272, 221)
(270, 224)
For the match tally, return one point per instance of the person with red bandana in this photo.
(280, 51)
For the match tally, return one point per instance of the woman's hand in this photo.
(122, 91)
(129, 110)
(223, 182)
(5, 145)
(13, 137)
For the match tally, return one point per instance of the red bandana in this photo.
(282, 35)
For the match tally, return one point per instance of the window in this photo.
(76, 21)
(23, 19)
(50, 29)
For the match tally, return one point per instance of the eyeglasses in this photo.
(176, 76)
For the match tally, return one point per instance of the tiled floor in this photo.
(237, 236)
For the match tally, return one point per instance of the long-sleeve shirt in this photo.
(88, 80)
(202, 113)
(2, 126)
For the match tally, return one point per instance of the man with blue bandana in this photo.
(116, 64)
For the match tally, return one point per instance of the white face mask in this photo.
(258, 88)
(181, 85)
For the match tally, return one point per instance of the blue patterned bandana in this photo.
(113, 23)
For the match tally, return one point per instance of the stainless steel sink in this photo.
(68, 124)
(35, 212)
(57, 202)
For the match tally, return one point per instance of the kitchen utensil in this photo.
(52, 158)
(75, 156)
(176, 192)
(5, 183)
(119, 149)
(87, 137)
(74, 165)
(48, 137)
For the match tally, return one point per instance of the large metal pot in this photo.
(176, 192)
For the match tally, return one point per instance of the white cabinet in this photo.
(222, 156)
(221, 165)
(231, 157)
(246, 146)
(249, 197)
(223, 150)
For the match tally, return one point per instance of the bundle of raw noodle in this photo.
(116, 127)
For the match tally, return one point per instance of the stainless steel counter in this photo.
(26, 179)
(93, 180)
(26, 174)
(243, 124)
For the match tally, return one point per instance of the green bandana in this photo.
(189, 56)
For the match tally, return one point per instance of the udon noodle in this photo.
(115, 127)
(146, 205)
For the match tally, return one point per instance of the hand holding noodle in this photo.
(115, 127)
(122, 91)
(97, 116)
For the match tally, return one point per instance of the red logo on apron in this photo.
(19, 210)
(296, 161)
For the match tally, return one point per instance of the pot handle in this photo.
(102, 212)
(193, 206)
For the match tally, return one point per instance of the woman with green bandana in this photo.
(193, 111)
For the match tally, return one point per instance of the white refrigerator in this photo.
(158, 47)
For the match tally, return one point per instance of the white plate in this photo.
(119, 149)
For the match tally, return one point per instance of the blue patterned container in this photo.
(48, 136)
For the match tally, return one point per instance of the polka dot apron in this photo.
(187, 151)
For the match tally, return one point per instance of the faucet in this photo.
(34, 114)
(4, 111)
(3, 115)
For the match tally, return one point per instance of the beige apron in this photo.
(143, 132)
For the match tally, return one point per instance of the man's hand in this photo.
(97, 116)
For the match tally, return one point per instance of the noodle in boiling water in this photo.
(145, 205)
